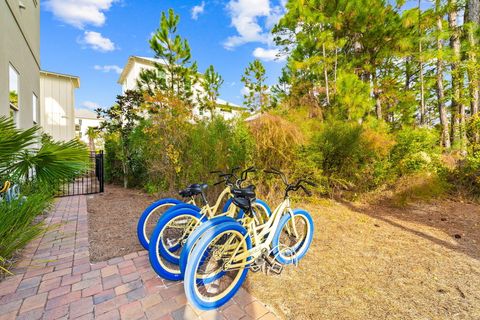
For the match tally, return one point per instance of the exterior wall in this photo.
(130, 83)
(20, 47)
(82, 125)
(57, 111)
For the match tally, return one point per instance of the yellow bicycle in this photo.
(220, 260)
(175, 226)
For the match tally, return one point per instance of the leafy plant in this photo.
(19, 225)
(254, 78)
(51, 164)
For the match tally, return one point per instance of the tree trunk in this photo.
(420, 62)
(472, 21)
(376, 96)
(124, 163)
(91, 145)
(440, 90)
(458, 109)
(327, 91)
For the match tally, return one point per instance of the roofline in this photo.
(129, 65)
(89, 118)
(75, 79)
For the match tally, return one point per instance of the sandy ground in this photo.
(112, 222)
(366, 261)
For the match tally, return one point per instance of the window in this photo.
(13, 93)
(35, 108)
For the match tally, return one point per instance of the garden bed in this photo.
(112, 221)
(366, 261)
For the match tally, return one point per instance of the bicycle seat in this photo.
(248, 192)
(243, 203)
(193, 190)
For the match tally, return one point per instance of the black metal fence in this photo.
(91, 182)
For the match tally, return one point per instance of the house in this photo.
(57, 104)
(85, 119)
(20, 61)
(135, 65)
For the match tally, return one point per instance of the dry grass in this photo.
(376, 262)
(420, 261)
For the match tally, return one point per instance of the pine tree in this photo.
(175, 74)
(256, 96)
(212, 81)
(439, 75)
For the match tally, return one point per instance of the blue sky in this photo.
(93, 39)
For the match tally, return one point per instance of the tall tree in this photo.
(471, 25)
(175, 74)
(92, 134)
(254, 78)
(439, 77)
(420, 65)
(211, 83)
(122, 118)
(457, 108)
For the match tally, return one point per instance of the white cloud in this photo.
(80, 13)
(268, 54)
(96, 41)
(246, 19)
(90, 105)
(108, 68)
(198, 10)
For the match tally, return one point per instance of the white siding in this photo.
(129, 82)
(57, 100)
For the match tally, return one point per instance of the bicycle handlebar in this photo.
(292, 187)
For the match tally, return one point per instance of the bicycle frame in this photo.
(257, 233)
(210, 212)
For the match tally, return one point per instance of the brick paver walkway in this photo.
(55, 280)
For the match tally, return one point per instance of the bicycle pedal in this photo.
(276, 268)
(255, 268)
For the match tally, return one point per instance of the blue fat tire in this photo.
(142, 237)
(195, 258)
(195, 236)
(304, 246)
(265, 205)
(156, 245)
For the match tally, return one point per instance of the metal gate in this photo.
(91, 182)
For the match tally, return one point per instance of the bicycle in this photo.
(152, 213)
(224, 253)
(175, 226)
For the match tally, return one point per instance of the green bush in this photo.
(39, 171)
(19, 224)
(466, 176)
(351, 155)
(416, 150)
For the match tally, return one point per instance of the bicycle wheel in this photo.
(261, 213)
(168, 239)
(290, 244)
(196, 235)
(212, 251)
(149, 219)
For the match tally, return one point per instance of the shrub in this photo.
(276, 141)
(352, 155)
(39, 171)
(416, 150)
(466, 176)
(19, 225)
